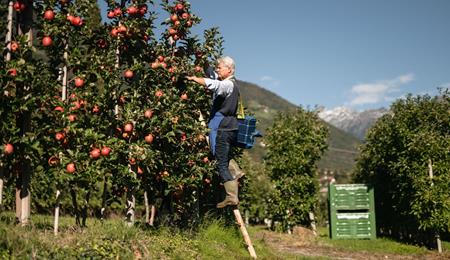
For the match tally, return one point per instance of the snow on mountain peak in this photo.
(351, 121)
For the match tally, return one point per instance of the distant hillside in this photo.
(264, 104)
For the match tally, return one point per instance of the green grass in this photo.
(379, 245)
(112, 240)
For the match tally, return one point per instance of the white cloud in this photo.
(379, 91)
(269, 80)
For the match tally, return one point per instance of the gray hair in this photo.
(227, 61)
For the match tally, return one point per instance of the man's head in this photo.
(225, 67)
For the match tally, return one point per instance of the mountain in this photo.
(264, 104)
(352, 121)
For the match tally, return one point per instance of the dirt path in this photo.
(307, 245)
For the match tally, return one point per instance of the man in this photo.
(223, 122)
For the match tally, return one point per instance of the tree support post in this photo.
(438, 237)
(244, 232)
(56, 223)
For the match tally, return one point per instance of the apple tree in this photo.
(295, 142)
(406, 158)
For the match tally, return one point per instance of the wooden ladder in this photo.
(244, 232)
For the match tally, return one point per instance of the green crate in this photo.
(351, 211)
(350, 197)
(354, 226)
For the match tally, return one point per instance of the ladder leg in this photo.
(244, 232)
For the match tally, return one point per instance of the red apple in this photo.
(172, 31)
(148, 113)
(101, 43)
(117, 12)
(122, 29)
(111, 14)
(95, 109)
(128, 74)
(114, 32)
(70, 17)
(132, 10)
(8, 149)
(58, 108)
(12, 72)
(53, 160)
(149, 138)
(139, 170)
(95, 153)
(47, 41)
(72, 118)
(159, 93)
(174, 18)
(160, 58)
(14, 46)
(19, 6)
(76, 21)
(185, 16)
(205, 160)
(59, 136)
(70, 168)
(128, 127)
(179, 7)
(105, 151)
(79, 82)
(184, 96)
(49, 15)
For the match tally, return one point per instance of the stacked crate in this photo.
(352, 211)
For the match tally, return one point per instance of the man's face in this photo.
(223, 71)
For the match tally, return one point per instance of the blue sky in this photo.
(357, 53)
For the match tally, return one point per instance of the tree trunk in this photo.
(84, 214)
(75, 206)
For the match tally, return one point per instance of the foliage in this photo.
(395, 160)
(295, 142)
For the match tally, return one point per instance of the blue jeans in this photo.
(224, 141)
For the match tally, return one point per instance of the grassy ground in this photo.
(112, 240)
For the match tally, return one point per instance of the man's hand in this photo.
(200, 81)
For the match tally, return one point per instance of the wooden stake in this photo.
(244, 232)
(147, 209)
(430, 173)
(1, 185)
(56, 223)
(131, 204)
(9, 30)
(313, 223)
(152, 215)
